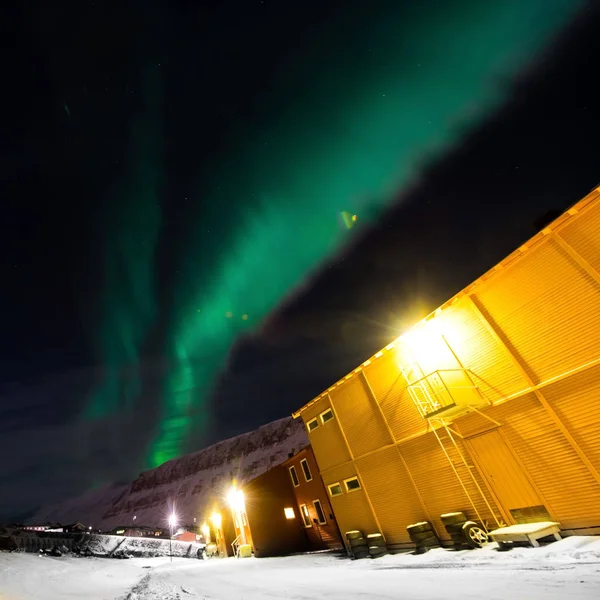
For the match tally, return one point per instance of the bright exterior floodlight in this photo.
(235, 499)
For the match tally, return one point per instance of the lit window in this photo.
(305, 515)
(335, 489)
(294, 476)
(306, 470)
(352, 484)
(289, 513)
(319, 511)
(326, 416)
(312, 424)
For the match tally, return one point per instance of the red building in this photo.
(312, 501)
(184, 535)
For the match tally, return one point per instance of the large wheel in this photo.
(474, 535)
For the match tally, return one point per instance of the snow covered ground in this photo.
(566, 569)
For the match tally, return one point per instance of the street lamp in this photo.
(205, 532)
(235, 499)
(217, 521)
(172, 523)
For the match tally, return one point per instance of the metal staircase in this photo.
(440, 397)
(463, 467)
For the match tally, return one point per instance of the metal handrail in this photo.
(235, 545)
(438, 371)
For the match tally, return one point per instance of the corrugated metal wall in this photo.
(438, 484)
(327, 440)
(528, 335)
(359, 418)
(352, 510)
(543, 305)
(576, 401)
(389, 387)
(392, 494)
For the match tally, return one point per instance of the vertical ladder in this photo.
(463, 468)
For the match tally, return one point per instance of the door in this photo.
(506, 477)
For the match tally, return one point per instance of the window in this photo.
(335, 489)
(352, 484)
(306, 470)
(294, 476)
(319, 511)
(326, 416)
(312, 424)
(305, 515)
(289, 513)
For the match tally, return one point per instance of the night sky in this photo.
(213, 210)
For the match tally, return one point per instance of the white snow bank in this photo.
(566, 569)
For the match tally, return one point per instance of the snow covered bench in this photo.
(526, 532)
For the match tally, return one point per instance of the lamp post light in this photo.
(172, 523)
(235, 499)
(217, 522)
(205, 532)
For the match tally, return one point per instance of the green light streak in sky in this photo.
(355, 135)
(128, 302)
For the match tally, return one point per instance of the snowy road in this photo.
(567, 569)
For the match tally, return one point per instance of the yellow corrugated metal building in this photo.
(489, 406)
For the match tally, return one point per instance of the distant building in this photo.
(138, 531)
(260, 516)
(185, 535)
(75, 528)
(45, 527)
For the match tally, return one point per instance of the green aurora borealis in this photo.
(355, 130)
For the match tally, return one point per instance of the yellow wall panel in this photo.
(583, 234)
(393, 497)
(576, 401)
(548, 308)
(437, 483)
(352, 510)
(492, 370)
(326, 440)
(391, 391)
(359, 416)
(570, 491)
